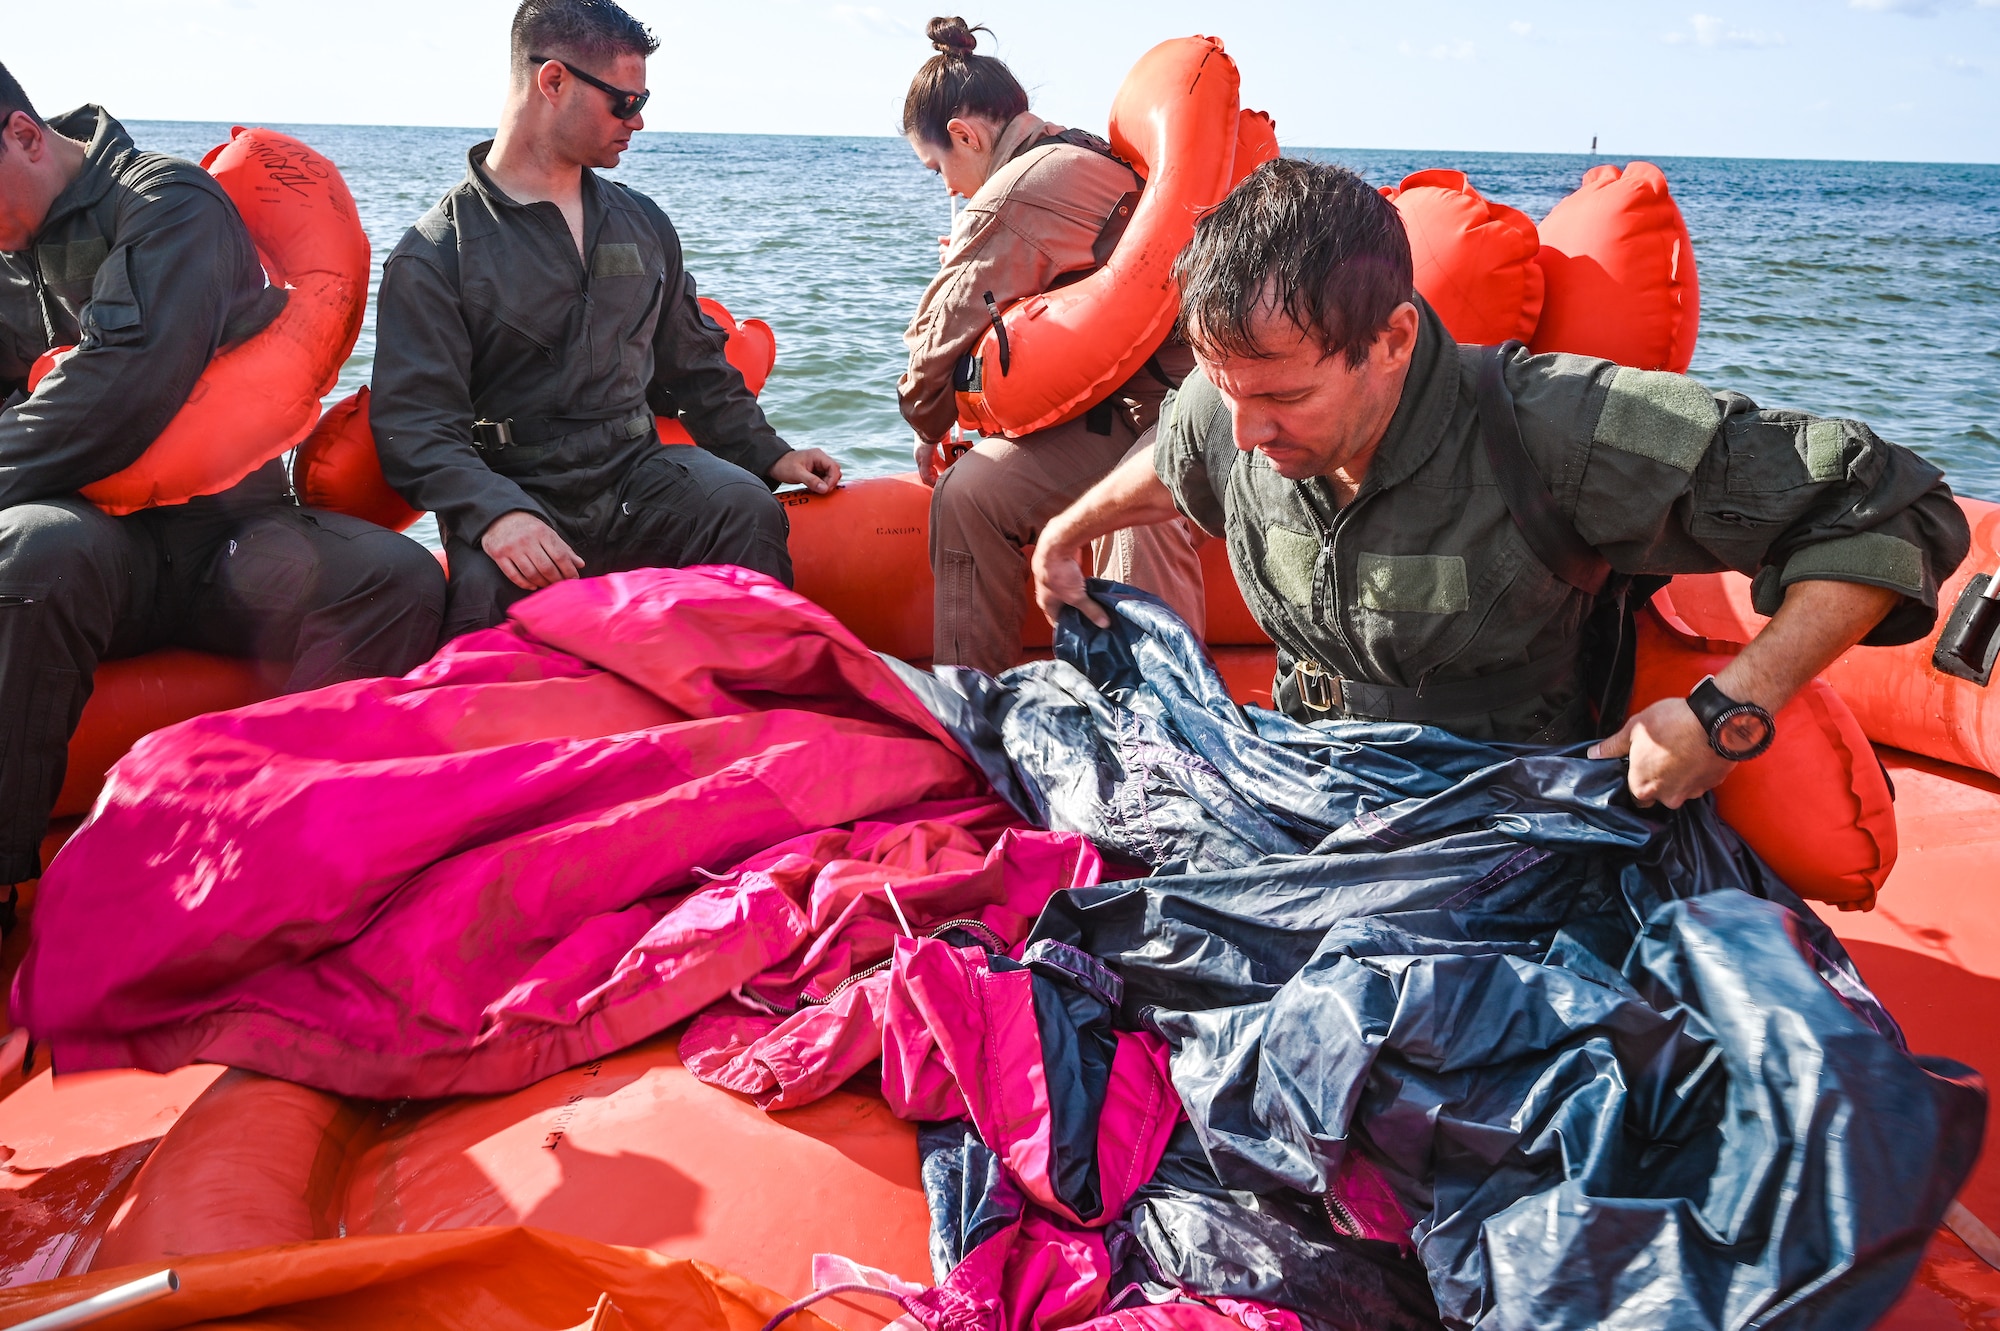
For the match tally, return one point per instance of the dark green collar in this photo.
(107, 147)
(1430, 394)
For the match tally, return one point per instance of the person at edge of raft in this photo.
(1332, 433)
(140, 261)
(531, 326)
(1045, 209)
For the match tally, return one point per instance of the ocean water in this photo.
(1858, 289)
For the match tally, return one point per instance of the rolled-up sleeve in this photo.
(420, 403)
(692, 376)
(157, 310)
(1670, 478)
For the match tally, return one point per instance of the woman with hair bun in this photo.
(1047, 206)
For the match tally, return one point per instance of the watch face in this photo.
(1743, 733)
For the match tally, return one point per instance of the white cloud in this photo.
(1708, 30)
(1452, 51)
(1520, 29)
(1960, 65)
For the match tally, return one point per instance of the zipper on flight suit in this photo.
(570, 248)
(41, 295)
(1329, 535)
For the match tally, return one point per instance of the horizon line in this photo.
(1599, 155)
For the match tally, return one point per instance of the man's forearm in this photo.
(1133, 495)
(1818, 621)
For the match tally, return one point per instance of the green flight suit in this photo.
(1424, 583)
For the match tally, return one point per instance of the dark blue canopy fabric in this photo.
(1615, 1071)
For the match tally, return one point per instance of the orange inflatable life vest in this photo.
(752, 348)
(1474, 258)
(1815, 806)
(1055, 355)
(1620, 272)
(1898, 694)
(338, 468)
(258, 399)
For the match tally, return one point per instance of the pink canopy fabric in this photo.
(643, 793)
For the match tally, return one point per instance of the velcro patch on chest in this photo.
(1669, 418)
(620, 259)
(1289, 560)
(77, 261)
(1418, 584)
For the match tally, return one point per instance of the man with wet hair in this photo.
(1346, 448)
(140, 262)
(531, 326)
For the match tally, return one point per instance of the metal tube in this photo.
(156, 1286)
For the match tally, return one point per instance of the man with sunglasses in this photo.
(531, 326)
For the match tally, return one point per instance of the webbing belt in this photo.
(488, 436)
(1320, 690)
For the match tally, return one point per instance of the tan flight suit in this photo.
(1036, 219)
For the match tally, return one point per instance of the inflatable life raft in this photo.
(1052, 357)
(258, 399)
(122, 1172)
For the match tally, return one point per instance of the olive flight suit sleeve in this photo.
(692, 376)
(156, 314)
(1194, 452)
(1664, 477)
(420, 401)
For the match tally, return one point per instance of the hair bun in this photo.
(952, 37)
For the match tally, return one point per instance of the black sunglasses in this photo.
(624, 103)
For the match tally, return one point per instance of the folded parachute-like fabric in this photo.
(798, 1031)
(1615, 1071)
(556, 838)
(1076, 1112)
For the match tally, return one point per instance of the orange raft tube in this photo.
(1177, 121)
(256, 400)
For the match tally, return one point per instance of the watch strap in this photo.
(1715, 709)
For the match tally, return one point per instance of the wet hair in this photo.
(957, 82)
(13, 97)
(1314, 240)
(591, 32)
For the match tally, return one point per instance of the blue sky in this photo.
(1859, 79)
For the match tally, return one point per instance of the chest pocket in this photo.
(518, 321)
(627, 289)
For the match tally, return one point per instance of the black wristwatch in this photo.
(1739, 731)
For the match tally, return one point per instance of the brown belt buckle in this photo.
(1319, 689)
